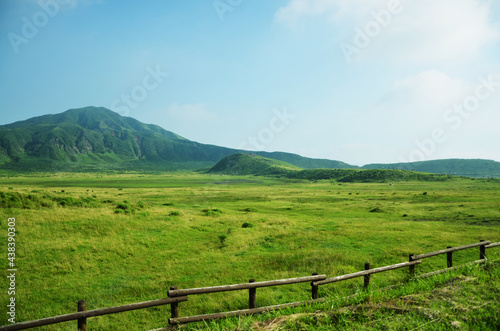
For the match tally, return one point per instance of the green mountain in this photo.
(248, 164)
(251, 164)
(460, 167)
(98, 137)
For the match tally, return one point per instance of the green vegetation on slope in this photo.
(250, 164)
(462, 167)
(247, 164)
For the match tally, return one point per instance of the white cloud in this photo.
(333, 9)
(424, 31)
(426, 91)
(433, 115)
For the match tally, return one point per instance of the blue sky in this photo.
(361, 81)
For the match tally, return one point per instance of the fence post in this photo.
(412, 267)
(174, 306)
(482, 251)
(252, 296)
(82, 322)
(367, 277)
(449, 258)
(314, 288)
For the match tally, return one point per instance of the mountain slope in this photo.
(95, 135)
(250, 164)
(98, 136)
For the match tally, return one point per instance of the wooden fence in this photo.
(176, 296)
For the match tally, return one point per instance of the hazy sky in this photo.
(361, 81)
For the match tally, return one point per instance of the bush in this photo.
(250, 210)
(222, 239)
(247, 225)
(125, 207)
(212, 212)
(174, 213)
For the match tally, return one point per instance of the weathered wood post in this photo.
(82, 322)
(314, 288)
(252, 296)
(174, 306)
(412, 267)
(449, 258)
(367, 277)
(482, 251)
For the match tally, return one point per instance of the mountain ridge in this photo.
(96, 135)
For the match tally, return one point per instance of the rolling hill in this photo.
(251, 164)
(248, 164)
(98, 137)
(459, 167)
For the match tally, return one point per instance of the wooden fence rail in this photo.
(366, 273)
(176, 296)
(492, 245)
(90, 313)
(244, 286)
(450, 250)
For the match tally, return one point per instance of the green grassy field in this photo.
(118, 239)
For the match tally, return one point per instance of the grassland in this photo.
(124, 238)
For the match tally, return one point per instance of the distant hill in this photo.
(98, 137)
(460, 167)
(307, 163)
(247, 164)
(251, 164)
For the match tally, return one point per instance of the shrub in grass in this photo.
(250, 210)
(211, 212)
(222, 239)
(174, 213)
(247, 225)
(125, 207)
